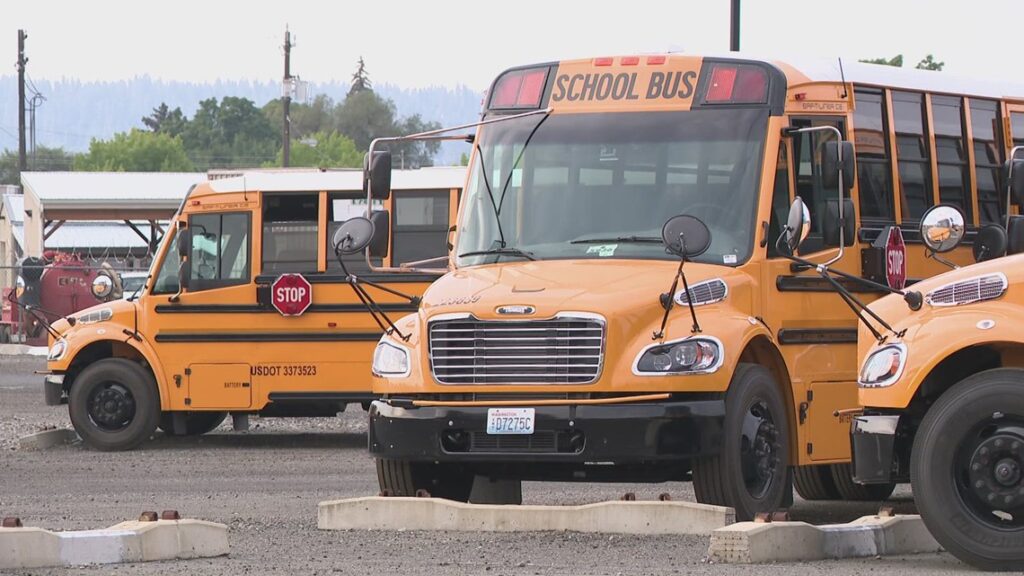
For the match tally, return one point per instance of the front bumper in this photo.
(628, 433)
(873, 439)
(53, 389)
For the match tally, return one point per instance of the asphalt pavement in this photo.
(265, 485)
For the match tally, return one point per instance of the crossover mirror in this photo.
(942, 228)
(686, 236)
(798, 224)
(353, 236)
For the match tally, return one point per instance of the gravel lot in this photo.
(265, 485)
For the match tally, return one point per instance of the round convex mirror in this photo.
(686, 235)
(353, 235)
(942, 228)
(798, 224)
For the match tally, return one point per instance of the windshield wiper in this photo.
(630, 238)
(500, 252)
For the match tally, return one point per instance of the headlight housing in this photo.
(102, 286)
(883, 367)
(390, 359)
(19, 287)
(701, 355)
(58, 350)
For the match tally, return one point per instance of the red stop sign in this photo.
(895, 259)
(291, 294)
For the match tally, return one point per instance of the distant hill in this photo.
(75, 112)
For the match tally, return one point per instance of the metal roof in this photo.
(433, 178)
(14, 208)
(103, 190)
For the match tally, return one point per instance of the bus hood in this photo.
(608, 287)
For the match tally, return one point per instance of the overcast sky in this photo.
(449, 42)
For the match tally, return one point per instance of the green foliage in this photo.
(464, 159)
(306, 119)
(135, 151)
(364, 116)
(896, 61)
(323, 150)
(231, 134)
(46, 159)
(929, 63)
(163, 120)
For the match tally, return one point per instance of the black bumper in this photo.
(873, 439)
(625, 433)
(53, 390)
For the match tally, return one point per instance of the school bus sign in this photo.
(291, 294)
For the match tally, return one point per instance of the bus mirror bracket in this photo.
(687, 237)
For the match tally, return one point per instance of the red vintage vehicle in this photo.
(52, 287)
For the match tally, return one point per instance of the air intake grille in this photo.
(562, 350)
(540, 441)
(969, 291)
(702, 293)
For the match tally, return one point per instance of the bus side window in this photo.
(988, 159)
(780, 202)
(912, 154)
(290, 232)
(166, 281)
(874, 175)
(420, 227)
(808, 151)
(219, 255)
(340, 207)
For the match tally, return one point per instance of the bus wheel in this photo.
(114, 405)
(196, 423)
(842, 476)
(751, 473)
(441, 480)
(967, 470)
(814, 483)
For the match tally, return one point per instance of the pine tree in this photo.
(360, 80)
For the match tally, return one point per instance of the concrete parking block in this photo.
(23, 350)
(756, 542)
(126, 542)
(402, 513)
(48, 439)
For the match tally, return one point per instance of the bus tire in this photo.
(976, 422)
(440, 480)
(114, 405)
(196, 423)
(815, 483)
(842, 477)
(751, 472)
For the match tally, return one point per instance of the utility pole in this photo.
(287, 93)
(734, 26)
(22, 61)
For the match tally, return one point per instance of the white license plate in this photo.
(510, 420)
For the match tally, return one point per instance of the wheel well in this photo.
(100, 350)
(761, 351)
(963, 363)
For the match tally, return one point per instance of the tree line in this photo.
(235, 133)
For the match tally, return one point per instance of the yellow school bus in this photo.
(617, 306)
(246, 309)
(944, 398)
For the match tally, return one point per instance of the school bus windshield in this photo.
(592, 185)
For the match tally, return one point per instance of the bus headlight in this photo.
(390, 360)
(689, 356)
(883, 367)
(57, 351)
(19, 287)
(102, 286)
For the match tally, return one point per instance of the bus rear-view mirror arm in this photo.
(374, 165)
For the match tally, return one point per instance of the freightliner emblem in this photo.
(518, 310)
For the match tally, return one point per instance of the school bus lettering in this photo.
(623, 86)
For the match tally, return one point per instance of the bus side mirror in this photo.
(831, 165)
(1016, 178)
(381, 220)
(798, 225)
(184, 242)
(377, 175)
(830, 224)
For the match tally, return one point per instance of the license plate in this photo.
(510, 420)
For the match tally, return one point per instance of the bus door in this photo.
(196, 332)
(815, 330)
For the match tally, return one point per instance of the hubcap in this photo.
(991, 473)
(111, 407)
(759, 459)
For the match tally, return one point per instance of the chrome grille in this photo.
(562, 350)
(702, 293)
(968, 291)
